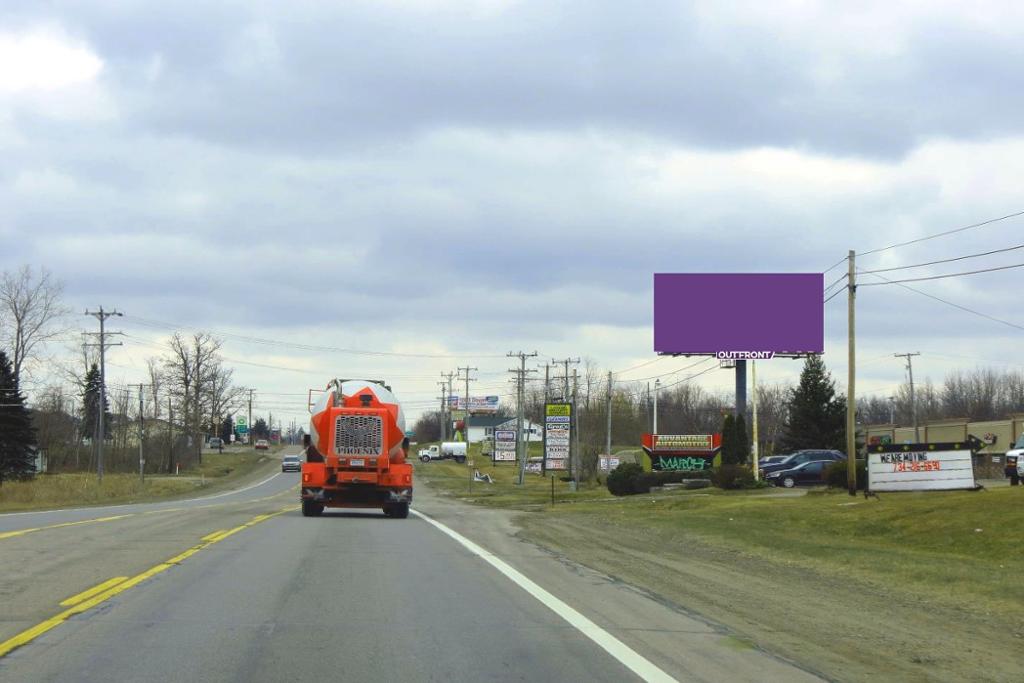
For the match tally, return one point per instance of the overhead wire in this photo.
(940, 277)
(941, 234)
(948, 260)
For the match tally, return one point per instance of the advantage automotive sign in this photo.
(920, 467)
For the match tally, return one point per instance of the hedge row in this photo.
(629, 478)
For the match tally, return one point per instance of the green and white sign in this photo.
(242, 425)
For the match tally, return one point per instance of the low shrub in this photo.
(733, 477)
(835, 475)
(622, 480)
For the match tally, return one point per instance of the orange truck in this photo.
(356, 451)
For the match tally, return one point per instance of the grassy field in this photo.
(922, 586)
(77, 489)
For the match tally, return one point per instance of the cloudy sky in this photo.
(446, 180)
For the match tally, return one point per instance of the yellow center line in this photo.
(22, 532)
(88, 603)
(86, 594)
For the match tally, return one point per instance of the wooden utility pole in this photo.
(753, 380)
(851, 394)
(101, 412)
(913, 402)
(465, 420)
(520, 407)
(608, 410)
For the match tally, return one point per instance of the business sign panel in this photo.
(242, 425)
(557, 435)
(504, 445)
(607, 464)
(681, 451)
(737, 316)
(920, 467)
(477, 404)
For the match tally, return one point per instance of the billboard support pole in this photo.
(608, 411)
(741, 388)
(851, 394)
(753, 381)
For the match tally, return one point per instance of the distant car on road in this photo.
(799, 458)
(262, 445)
(291, 463)
(808, 473)
(216, 442)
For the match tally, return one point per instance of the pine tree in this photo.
(817, 417)
(17, 435)
(742, 441)
(226, 428)
(728, 440)
(90, 405)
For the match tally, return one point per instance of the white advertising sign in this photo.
(556, 464)
(504, 456)
(608, 464)
(920, 470)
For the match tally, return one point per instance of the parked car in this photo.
(216, 442)
(1015, 462)
(291, 463)
(799, 458)
(808, 473)
(768, 460)
(262, 445)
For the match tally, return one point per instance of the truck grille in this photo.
(357, 435)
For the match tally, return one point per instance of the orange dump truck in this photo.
(356, 451)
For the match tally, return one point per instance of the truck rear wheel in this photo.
(398, 510)
(311, 508)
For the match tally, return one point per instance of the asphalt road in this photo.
(241, 587)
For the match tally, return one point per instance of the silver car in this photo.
(291, 463)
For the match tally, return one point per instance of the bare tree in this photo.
(30, 313)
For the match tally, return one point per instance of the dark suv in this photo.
(800, 457)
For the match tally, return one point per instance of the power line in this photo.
(641, 365)
(837, 280)
(942, 277)
(948, 260)
(833, 295)
(940, 234)
(665, 374)
(950, 303)
(834, 265)
(309, 347)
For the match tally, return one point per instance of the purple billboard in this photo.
(739, 315)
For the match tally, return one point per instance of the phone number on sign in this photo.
(926, 466)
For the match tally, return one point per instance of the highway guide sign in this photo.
(920, 467)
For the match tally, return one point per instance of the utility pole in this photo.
(892, 410)
(142, 436)
(465, 420)
(565, 378)
(448, 377)
(575, 434)
(444, 409)
(520, 407)
(248, 433)
(102, 316)
(851, 395)
(657, 387)
(913, 402)
(608, 411)
(170, 435)
(754, 450)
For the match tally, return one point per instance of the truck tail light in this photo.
(305, 477)
(408, 478)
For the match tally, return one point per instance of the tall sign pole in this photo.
(753, 381)
(851, 394)
(520, 408)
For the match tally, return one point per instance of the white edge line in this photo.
(606, 641)
(128, 505)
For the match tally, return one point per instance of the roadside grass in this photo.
(960, 547)
(83, 488)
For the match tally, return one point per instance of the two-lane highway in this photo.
(243, 588)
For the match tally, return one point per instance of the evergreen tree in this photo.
(742, 441)
(90, 405)
(17, 435)
(728, 440)
(817, 417)
(260, 429)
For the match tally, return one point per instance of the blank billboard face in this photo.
(732, 314)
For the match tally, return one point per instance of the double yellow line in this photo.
(100, 593)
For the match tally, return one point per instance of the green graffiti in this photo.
(689, 463)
